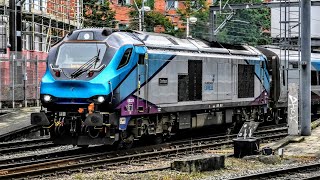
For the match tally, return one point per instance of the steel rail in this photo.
(18, 146)
(18, 133)
(27, 147)
(19, 143)
(281, 172)
(33, 159)
(260, 133)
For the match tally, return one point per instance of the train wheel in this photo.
(126, 140)
(157, 139)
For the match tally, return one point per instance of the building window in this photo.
(123, 26)
(171, 4)
(36, 4)
(124, 2)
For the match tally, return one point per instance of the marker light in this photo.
(86, 36)
(47, 98)
(100, 99)
(57, 73)
(90, 74)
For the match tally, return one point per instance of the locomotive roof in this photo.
(160, 41)
(168, 42)
(293, 53)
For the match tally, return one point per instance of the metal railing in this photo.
(20, 76)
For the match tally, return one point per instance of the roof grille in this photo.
(172, 41)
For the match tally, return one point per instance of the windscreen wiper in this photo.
(86, 66)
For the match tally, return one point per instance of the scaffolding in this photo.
(45, 22)
(290, 52)
(289, 38)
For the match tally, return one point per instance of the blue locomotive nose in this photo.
(73, 89)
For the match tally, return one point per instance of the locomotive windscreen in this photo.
(73, 55)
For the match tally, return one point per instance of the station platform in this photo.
(309, 146)
(16, 119)
(300, 146)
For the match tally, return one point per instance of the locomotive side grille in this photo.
(195, 80)
(245, 81)
(183, 92)
(190, 85)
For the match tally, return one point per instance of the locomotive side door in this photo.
(142, 82)
(224, 79)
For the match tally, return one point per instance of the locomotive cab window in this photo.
(125, 58)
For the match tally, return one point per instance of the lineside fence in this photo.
(20, 76)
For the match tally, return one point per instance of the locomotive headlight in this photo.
(47, 98)
(100, 99)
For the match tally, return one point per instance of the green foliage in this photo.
(154, 18)
(151, 20)
(200, 10)
(201, 28)
(192, 7)
(246, 26)
(150, 3)
(97, 14)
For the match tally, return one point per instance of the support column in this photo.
(212, 28)
(12, 24)
(305, 88)
(187, 30)
(19, 26)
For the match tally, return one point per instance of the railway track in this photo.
(17, 146)
(18, 133)
(309, 171)
(83, 161)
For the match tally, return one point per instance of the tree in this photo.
(246, 26)
(97, 14)
(151, 19)
(200, 10)
(154, 18)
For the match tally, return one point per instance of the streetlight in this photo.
(191, 20)
(141, 13)
(141, 16)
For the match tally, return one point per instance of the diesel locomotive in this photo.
(103, 86)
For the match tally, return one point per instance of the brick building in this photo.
(166, 7)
